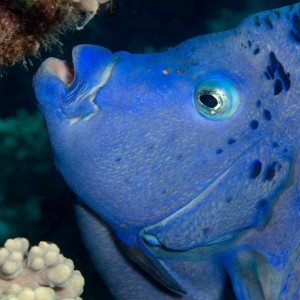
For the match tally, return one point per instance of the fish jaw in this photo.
(68, 92)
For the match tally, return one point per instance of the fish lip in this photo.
(68, 91)
(62, 70)
(65, 71)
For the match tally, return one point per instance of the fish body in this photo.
(186, 162)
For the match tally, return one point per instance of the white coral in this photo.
(90, 7)
(42, 273)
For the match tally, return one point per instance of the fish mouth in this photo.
(73, 88)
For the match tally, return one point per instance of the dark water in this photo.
(34, 200)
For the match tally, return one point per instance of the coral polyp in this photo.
(40, 272)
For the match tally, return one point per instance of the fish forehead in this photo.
(251, 58)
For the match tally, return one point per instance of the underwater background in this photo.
(35, 202)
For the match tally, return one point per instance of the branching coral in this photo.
(25, 25)
(41, 273)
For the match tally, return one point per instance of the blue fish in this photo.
(185, 162)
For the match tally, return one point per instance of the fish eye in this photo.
(216, 99)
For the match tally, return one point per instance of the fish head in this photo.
(184, 148)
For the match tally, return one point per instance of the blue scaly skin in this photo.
(186, 161)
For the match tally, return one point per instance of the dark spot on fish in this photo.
(258, 103)
(275, 145)
(228, 200)
(285, 77)
(276, 71)
(128, 181)
(219, 151)
(249, 43)
(273, 61)
(256, 51)
(271, 171)
(231, 141)
(295, 36)
(261, 203)
(296, 23)
(277, 87)
(256, 21)
(277, 13)
(255, 169)
(269, 22)
(254, 124)
(153, 147)
(205, 230)
(180, 157)
(118, 160)
(267, 115)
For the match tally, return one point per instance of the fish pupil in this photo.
(209, 101)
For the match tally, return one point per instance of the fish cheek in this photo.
(241, 198)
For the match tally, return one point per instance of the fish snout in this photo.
(50, 82)
(72, 89)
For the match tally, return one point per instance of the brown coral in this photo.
(27, 24)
